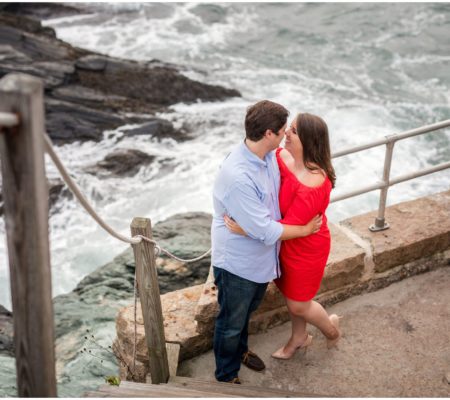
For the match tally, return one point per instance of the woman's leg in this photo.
(299, 337)
(314, 314)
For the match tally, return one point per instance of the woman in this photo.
(307, 177)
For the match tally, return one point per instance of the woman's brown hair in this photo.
(313, 133)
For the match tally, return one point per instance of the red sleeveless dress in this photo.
(303, 259)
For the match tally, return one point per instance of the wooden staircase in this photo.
(179, 386)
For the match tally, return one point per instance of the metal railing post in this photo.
(380, 223)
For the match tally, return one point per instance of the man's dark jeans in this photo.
(238, 298)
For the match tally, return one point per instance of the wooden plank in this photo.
(26, 216)
(242, 390)
(147, 279)
(165, 390)
(173, 353)
(95, 394)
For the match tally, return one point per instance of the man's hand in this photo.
(314, 225)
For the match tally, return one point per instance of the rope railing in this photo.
(84, 202)
(134, 240)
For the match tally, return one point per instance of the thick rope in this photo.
(134, 240)
(84, 202)
(135, 325)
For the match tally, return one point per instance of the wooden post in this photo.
(25, 195)
(147, 279)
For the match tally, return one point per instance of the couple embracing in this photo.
(269, 224)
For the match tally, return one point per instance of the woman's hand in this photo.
(233, 226)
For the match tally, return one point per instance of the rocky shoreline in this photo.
(94, 303)
(87, 93)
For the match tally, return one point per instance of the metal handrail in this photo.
(393, 138)
(389, 141)
(8, 120)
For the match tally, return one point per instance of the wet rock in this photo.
(68, 122)
(94, 303)
(10, 54)
(159, 128)
(8, 386)
(6, 332)
(56, 191)
(88, 93)
(42, 10)
(122, 162)
(92, 63)
(88, 97)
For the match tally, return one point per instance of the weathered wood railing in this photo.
(26, 215)
(147, 278)
(25, 193)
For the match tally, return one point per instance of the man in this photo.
(246, 189)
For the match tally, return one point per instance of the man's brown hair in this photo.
(262, 116)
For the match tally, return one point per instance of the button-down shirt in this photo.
(246, 189)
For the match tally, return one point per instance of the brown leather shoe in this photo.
(252, 361)
(235, 380)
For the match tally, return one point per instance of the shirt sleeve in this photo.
(246, 208)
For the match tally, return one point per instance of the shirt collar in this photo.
(252, 157)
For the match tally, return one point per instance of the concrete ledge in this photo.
(417, 228)
(360, 261)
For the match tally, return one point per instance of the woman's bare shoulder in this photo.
(314, 178)
(285, 155)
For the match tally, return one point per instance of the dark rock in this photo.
(85, 96)
(85, 318)
(92, 63)
(6, 332)
(185, 235)
(88, 93)
(42, 10)
(35, 42)
(53, 74)
(69, 122)
(9, 54)
(159, 128)
(156, 85)
(57, 190)
(122, 162)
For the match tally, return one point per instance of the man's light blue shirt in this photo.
(246, 189)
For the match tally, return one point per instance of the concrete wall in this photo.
(418, 240)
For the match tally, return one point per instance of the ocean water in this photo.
(368, 69)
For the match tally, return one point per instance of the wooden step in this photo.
(242, 390)
(133, 389)
(180, 386)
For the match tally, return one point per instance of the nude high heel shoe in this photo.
(280, 354)
(335, 321)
